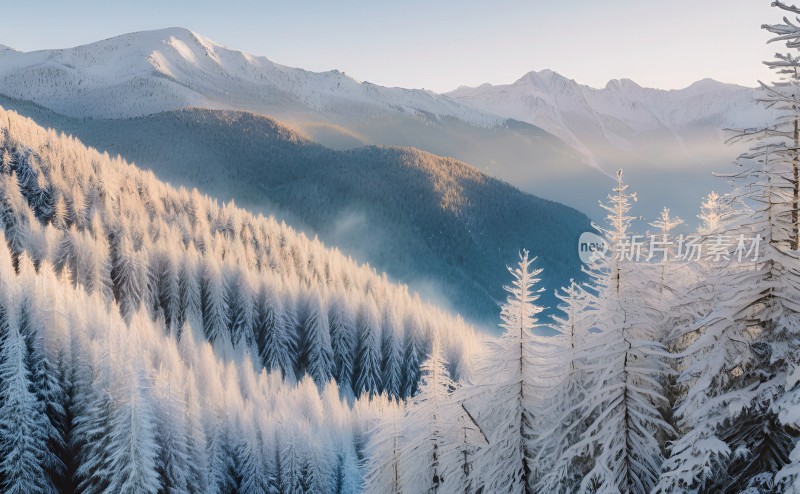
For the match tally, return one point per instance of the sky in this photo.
(440, 45)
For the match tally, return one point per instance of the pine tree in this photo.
(367, 369)
(736, 434)
(392, 352)
(414, 353)
(44, 380)
(214, 303)
(343, 341)
(13, 214)
(23, 437)
(129, 276)
(133, 450)
(623, 409)
(172, 438)
(508, 387)
(277, 345)
(240, 298)
(562, 423)
(385, 457)
(430, 418)
(317, 351)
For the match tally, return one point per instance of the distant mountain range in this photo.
(668, 142)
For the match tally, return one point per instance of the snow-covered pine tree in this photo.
(562, 422)
(13, 214)
(414, 353)
(429, 423)
(392, 352)
(367, 368)
(196, 443)
(343, 341)
(508, 383)
(23, 437)
(240, 298)
(317, 353)
(384, 451)
(172, 435)
(44, 380)
(277, 344)
(132, 447)
(737, 433)
(624, 369)
(214, 303)
(254, 465)
(129, 276)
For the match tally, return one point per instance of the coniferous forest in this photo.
(154, 340)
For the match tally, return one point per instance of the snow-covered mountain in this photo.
(147, 72)
(622, 118)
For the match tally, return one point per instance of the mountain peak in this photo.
(545, 78)
(622, 84)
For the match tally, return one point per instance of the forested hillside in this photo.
(400, 209)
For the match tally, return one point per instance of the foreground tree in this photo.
(625, 368)
(509, 385)
(738, 419)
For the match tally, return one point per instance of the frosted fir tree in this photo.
(13, 215)
(414, 353)
(277, 343)
(508, 386)
(562, 422)
(367, 369)
(44, 380)
(713, 212)
(196, 449)
(129, 276)
(133, 449)
(255, 467)
(624, 371)
(429, 428)
(214, 303)
(172, 436)
(317, 351)
(343, 341)
(392, 351)
(385, 450)
(241, 297)
(737, 431)
(23, 436)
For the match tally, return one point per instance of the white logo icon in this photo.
(591, 247)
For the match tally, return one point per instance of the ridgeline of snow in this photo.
(147, 72)
(619, 116)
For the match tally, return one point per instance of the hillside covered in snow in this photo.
(362, 200)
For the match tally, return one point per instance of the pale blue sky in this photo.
(440, 45)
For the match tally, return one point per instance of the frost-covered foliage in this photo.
(153, 341)
(477, 437)
(145, 412)
(738, 416)
(247, 281)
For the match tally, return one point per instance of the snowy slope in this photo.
(147, 72)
